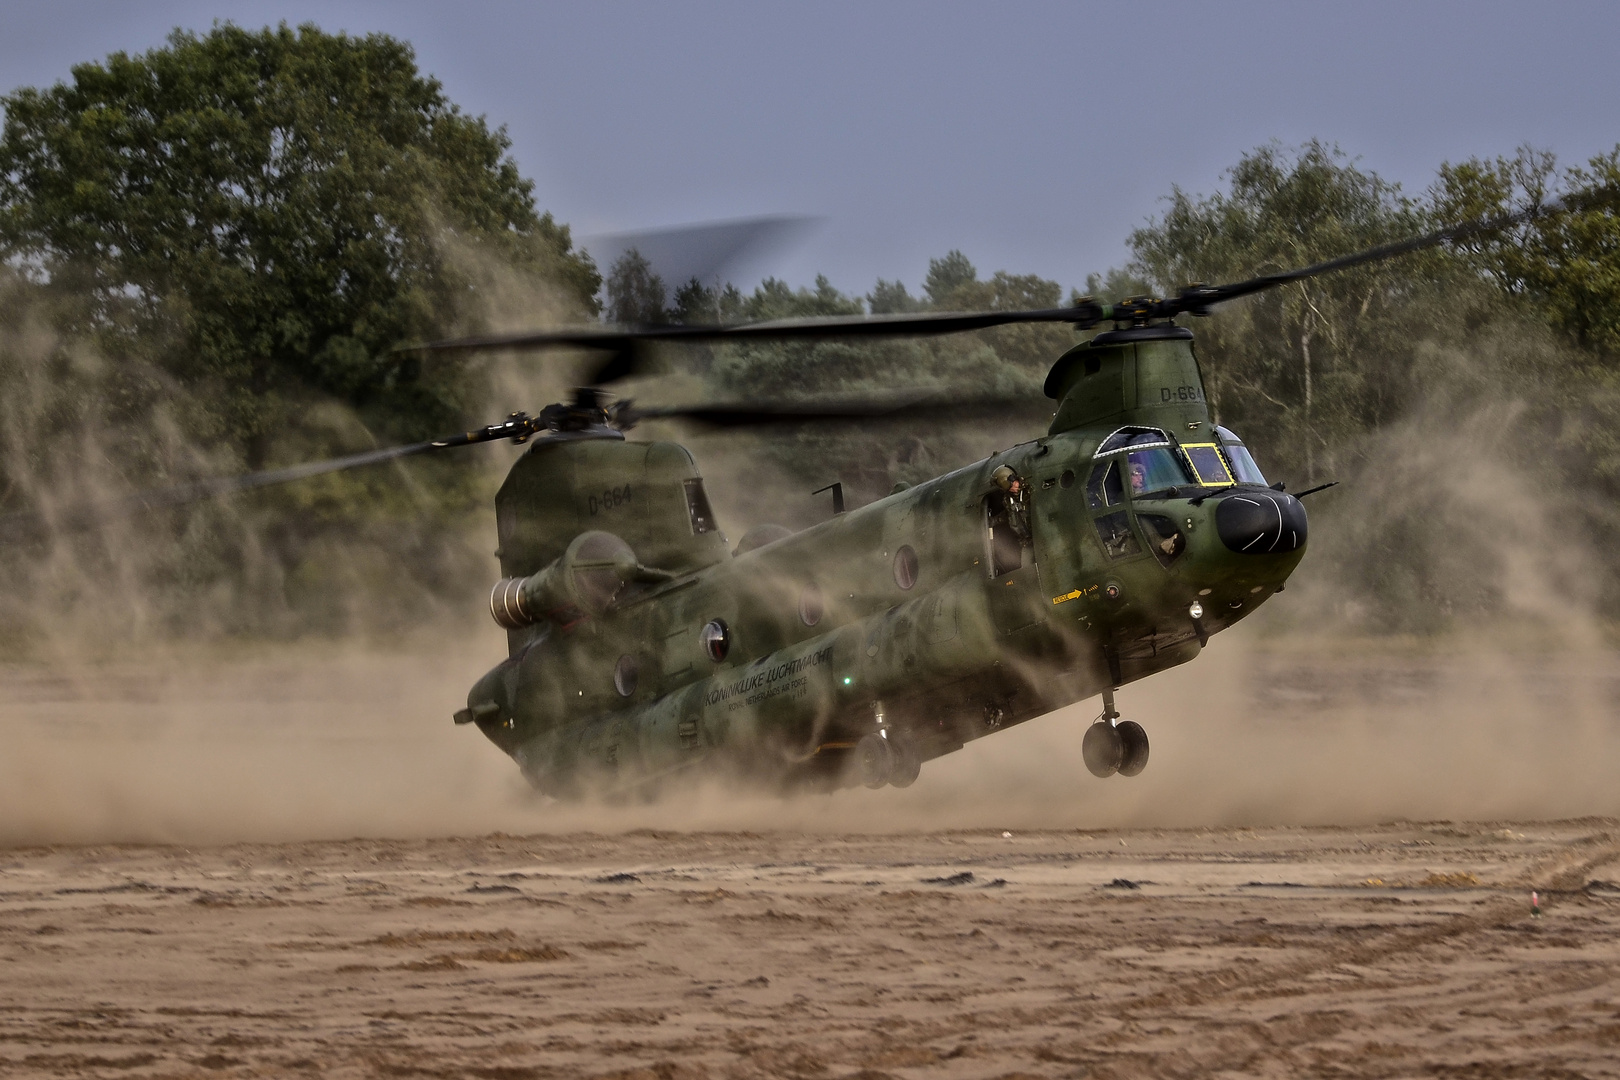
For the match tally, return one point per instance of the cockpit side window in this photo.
(1105, 488)
(697, 508)
(1242, 461)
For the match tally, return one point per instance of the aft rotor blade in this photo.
(181, 494)
(518, 426)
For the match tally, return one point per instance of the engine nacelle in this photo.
(585, 581)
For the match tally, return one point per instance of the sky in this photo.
(1032, 136)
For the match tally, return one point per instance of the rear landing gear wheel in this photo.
(1135, 744)
(1103, 749)
(874, 761)
(907, 763)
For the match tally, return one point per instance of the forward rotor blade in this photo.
(1197, 299)
(920, 405)
(1083, 316)
(1086, 313)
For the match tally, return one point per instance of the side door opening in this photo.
(1006, 523)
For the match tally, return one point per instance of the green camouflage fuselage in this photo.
(944, 612)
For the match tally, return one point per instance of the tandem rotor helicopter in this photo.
(641, 647)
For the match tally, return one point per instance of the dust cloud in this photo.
(304, 744)
(296, 742)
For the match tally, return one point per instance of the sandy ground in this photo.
(1395, 950)
(1325, 870)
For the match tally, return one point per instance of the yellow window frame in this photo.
(1220, 455)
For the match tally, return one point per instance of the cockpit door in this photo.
(1105, 498)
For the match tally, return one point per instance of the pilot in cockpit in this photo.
(1138, 473)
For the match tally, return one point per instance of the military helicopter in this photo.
(642, 647)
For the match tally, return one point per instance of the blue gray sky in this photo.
(1033, 136)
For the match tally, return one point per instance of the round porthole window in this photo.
(905, 567)
(1067, 479)
(811, 605)
(716, 639)
(626, 673)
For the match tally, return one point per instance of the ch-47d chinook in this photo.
(890, 634)
(641, 646)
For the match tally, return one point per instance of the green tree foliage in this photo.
(891, 298)
(945, 276)
(696, 304)
(635, 294)
(263, 215)
(775, 299)
(1566, 264)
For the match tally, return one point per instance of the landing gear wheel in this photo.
(1135, 741)
(874, 760)
(1103, 749)
(907, 763)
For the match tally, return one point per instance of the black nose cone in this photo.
(1260, 523)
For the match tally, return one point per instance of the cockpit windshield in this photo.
(1242, 461)
(1153, 470)
(1208, 463)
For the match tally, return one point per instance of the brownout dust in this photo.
(309, 743)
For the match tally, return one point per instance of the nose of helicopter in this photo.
(1261, 522)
